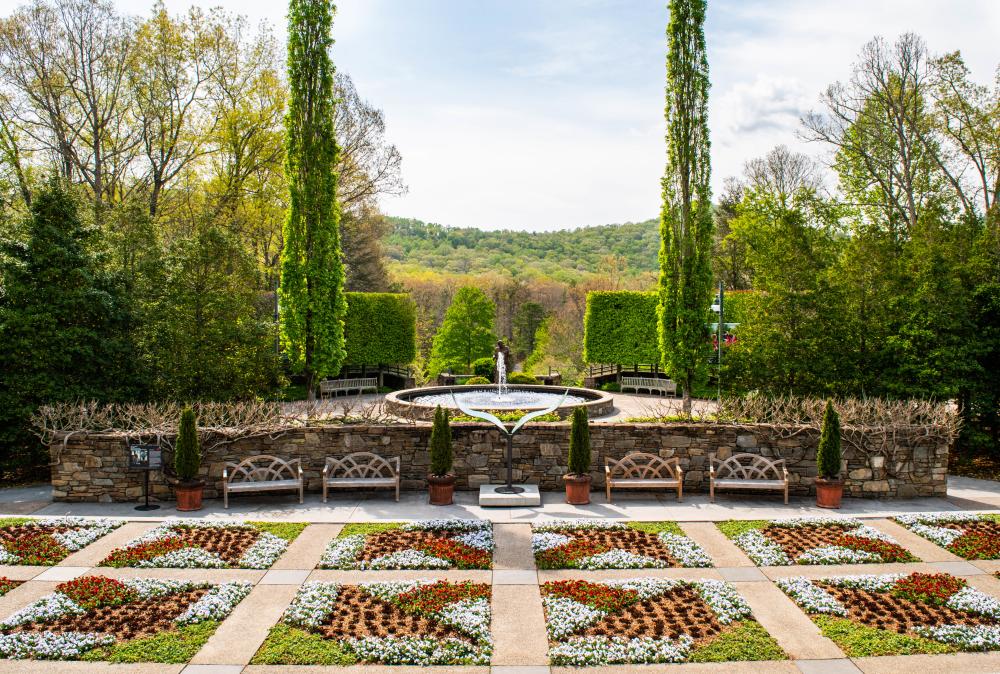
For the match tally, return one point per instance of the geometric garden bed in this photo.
(899, 614)
(968, 535)
(814, 540)
(44, 542)
(604, 544)
(422, 544)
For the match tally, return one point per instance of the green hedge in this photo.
(620, 328)
(380, 329)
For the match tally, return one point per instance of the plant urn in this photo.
(828, 492)
(189, 495)
(577, 489)
(441, 488)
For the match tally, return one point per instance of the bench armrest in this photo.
(326, 469)
(784, 471)
(680, 471)
(711, 469)
(225, 474)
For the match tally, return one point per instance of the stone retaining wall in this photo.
(95, 467)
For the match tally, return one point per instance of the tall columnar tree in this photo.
(311, 295)
(686, 225)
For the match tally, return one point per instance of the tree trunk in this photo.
(686, 400)
(310, 386)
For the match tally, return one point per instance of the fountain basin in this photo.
(419, 403)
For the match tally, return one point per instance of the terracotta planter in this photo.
(189, 496)
(441, 489)
(828, 492)
(577, 489)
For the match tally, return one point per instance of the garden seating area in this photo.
(789, 595)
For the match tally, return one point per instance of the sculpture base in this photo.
(490, 495)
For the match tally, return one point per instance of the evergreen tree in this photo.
(466, 334)
(686, 226)
(311, 295)
(63, 325)
(828, 452)
(187, 453)
(579, 443)
(441, 451)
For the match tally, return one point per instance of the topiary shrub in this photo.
(828, 453)
(579, 443)
(441, 453)
(483, 367)
(477, 381)
(187, 451)
(521, 378)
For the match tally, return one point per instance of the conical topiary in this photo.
(441, 453)
(828, 453)
(187, 452)
(579, 443)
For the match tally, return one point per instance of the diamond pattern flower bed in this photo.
(424, 544)
(391, 623)
(601, 544)
(44, 542)
(201, 544)
(968, 535)
(651, 620)
(131, 620)
(6, 585)
(814, 540)
(897, 614)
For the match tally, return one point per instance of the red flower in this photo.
(595, 595)
(929, 588)
(6, 585)
(135, 554)
(461, 555)
(563, 556)
(974, 545)
(92, 592)
(37, 549)
(426, 599)
(889, 552)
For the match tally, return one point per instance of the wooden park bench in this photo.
(747, 471)
(331, 387)
(640, 470)
(651, 384)
(360, 470)
(262, 473)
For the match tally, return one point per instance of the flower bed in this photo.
(44, 542)
(391, 623)
(814, 540)
(602, 544)
(968, 535)
(897, 614)
(424, 544)
(99, 618)
(202, 544)
(651, 620)
(6, 585)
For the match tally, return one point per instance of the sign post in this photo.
(145, 458)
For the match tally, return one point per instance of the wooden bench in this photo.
(332, 387)
(747, 471)
(651, 384)
(360, 470)
(262, 473)
(640, 470)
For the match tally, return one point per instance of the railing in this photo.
(603, 370)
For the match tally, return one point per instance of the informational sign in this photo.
(145, 457)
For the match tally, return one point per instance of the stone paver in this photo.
(212, 669)
(964, 663)
(515, 577)
(823, 570)
(549, 575)
(918, 545)
(59, 574)
(361, 669)
(242, 633)
(210, 575)
(99, 549)
(23, 595)
(285, 577)
(792, 629)
(722, 550)
(761, 667)
(526, 669)
(742, 574)
(838, 666)
(519, 636)
(513, 547)
(22, 572)
(305, 551)
(960, 568)
(987, 583)
(49, 667)
(354, 577)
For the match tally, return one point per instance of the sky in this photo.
(547, 114)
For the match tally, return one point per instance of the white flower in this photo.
(49, 607)
(150, 588)
(723, 599)
(970, 637)
(576, 523)
(7, 557)
(471, 616)
(685, 551)
(547, 540)
(342, 553)
(405, 559)
(868, 582)
(809, 596)
(215, 604)
(264, 552)
(312, 604)
(184, 558)
(763, 551)
(565, 616)
(619, 559)
(419, 651)
(940, 535)
(50, 645)
(837, 554)
(646, 588)
(972, 600)
(818, 521)
(389, 590)
(937, 518)
(481, 539)
(454, 524)
(590, 651)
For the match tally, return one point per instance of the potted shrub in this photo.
(578, 478)
(187, 463)
(441, 481)
(829, 486)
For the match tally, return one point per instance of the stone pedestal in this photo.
(489, 497)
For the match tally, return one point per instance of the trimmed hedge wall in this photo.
(620, 328)
(380, 329)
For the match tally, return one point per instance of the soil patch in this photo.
(676, 612)
(357, 614)
(895, 614)
(637, 542)
(985, 528)
(396, 540)
(796, 540)
(229, 544)
(11, 534)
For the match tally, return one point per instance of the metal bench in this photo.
(651, 384)
(360, 470)
(747, 471)
(262, 473)
(331, 387)
(641, 470)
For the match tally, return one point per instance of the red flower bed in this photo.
(976, 545)
(92, 592)
(930, 588)
(889, 552)
(129, 556)
(564, 555)
(430, 598)
(598, 596)
(461, 555)
(37, 549)
(6, 585)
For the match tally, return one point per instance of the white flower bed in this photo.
(547, 540)
(450, 524)
(940, 535)
(264, 552)
(972, 600)
(809, 596)
(763, 551)
(563, 616)
(405, 559)
(837, 554)
(389, 590)
(50, 607)
(50, 645)
(923, 524)
(646, 588)
(685, 550)
(556, 533)
(868, 582)
(184, 558)
(342, 553)
(7, 557)
(312, 604)
(417, 651)
(576, 523)
(969, 637)
(261, 555)
(215, 604)
(619, 559)
(471, 616)
(82, 533)
(150, 588)
(723, 599)
(817, 521)
(590, 651)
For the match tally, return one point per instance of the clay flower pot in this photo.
(828, 492)
(577, 489)
(441, 488)
(189, 495)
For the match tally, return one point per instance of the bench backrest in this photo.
(334, 384)
(748, 467)
(640, 466)
(362, 465)
(646, 382)
(263, 468)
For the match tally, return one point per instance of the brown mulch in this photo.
(987, 528)
(895, 614)
(679, 611)
(395, 540)
(129, 621)
(630, 540)
(357, 614)
(229, 544)
(795, 541)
